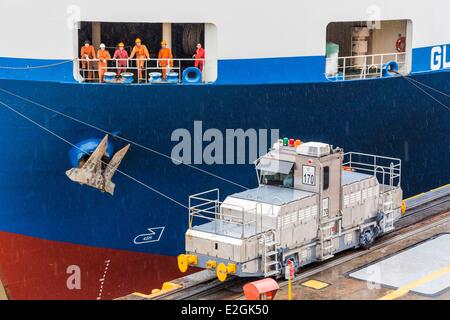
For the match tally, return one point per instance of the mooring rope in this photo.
(38, 67)
(416, 83)
(429, 87)
(124, 139)
(99, 160)
(427, 93)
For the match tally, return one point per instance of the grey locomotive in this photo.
(312, 202)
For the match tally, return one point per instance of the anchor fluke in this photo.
(96, 172)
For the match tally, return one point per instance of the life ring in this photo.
(400, 45)
(197, 78)
(87, 147)
(390, 68)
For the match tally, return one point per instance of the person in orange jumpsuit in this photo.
(199, 54)
(87, 53)
(165, 57)
(103, 58)
(140, 51)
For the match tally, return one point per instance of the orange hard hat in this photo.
(121, 44)
(164, 42)
(138, 40)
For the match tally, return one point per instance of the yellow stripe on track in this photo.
(400, 292)
(424, 193)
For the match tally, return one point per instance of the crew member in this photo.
(141, 53)
(122, 55)
(401, 43)
(87, 53)
(165, 59)
(199, 54)
(103, 58)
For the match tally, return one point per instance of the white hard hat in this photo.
(102, 45)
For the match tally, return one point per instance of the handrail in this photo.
(132, 64)
(137, 59)
(350, 67)
(373, 55)
(200, 206)
(391, 168)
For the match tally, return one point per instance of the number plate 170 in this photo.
(309, 175)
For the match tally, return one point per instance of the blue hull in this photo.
(387, 117)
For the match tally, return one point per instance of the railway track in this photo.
(417, 212)
(421, 211)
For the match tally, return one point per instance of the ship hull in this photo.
(45, 219)
(36, 269)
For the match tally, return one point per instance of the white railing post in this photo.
(391, 174)
(365, 67)
(179, 71)
(344, 68)
(382, 66)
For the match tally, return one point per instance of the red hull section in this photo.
(32, 268)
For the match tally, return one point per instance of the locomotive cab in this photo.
(312, 202)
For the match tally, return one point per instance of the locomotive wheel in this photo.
(367, 238)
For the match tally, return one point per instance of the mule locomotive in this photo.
(312, 202)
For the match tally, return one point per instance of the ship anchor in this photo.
(95, 172)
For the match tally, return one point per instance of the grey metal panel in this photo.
(275, 166)
(224, 228)
(332, 194)
(352, 177)
(363, 208)
(273, 195)
(304, 233)
(233, 230)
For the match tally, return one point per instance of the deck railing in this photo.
(365, 66)
(150, 65)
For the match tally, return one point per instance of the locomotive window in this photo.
(278, 179)
(326, 178)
